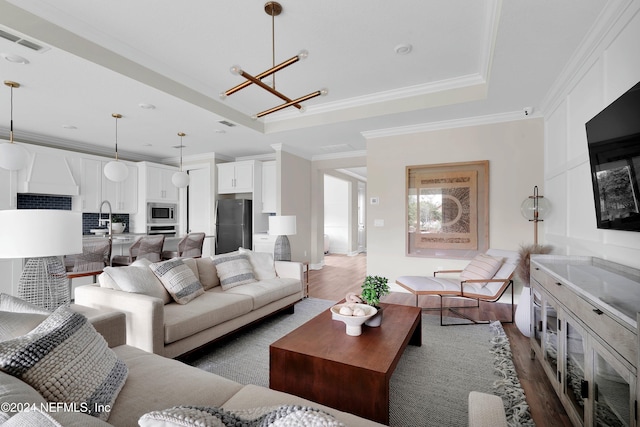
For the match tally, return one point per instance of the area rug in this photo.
(431, 384)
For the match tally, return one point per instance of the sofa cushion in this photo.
(268, 291)
(233, 270)
(483, 266)
(206, 311)
(285, 415)
(178, 279)
(66, 360)
(156, 382)
(136, 278)
(17, 393)
(262, 264)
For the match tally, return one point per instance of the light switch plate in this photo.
(378, 223)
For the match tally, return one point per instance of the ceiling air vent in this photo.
(22, 41)
(226, 123)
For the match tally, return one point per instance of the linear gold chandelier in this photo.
(272, 9)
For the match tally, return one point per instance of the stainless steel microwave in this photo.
(162, 213)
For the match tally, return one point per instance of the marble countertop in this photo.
(125, 238)
(614, 287)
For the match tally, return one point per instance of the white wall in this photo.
(336, 214)
(515, 153)
(610, 66)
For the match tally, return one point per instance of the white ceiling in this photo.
(469, 58)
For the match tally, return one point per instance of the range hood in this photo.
(49, 173)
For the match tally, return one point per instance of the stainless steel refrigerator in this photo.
(233, 225)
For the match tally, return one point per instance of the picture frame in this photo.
(448, 209)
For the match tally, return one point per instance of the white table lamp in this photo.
(41, 236)
(282, 226)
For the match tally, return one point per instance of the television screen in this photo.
(614, 153)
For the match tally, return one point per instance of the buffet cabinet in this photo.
(584, 324)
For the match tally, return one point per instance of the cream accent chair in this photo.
(488, 288)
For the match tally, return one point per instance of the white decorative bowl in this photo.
(118, 227)
(354, 323)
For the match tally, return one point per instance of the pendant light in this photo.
(115, 170)
(180, 179)
(12, 156)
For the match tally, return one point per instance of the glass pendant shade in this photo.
(12, 156)
(531, 205)
(116, 171)
(180, 179)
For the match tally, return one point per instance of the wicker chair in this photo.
(189, 246)
(95, 256)
(149, 247)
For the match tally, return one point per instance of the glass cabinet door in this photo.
(575, 386)
(536, 317)
(550, 345)
(611, 395)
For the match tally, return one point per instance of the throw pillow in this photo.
(33, 417)
(262, 264)
(207, 273)
(18, 305)
(136, 278)
(284, 415)
(178, 279)
(66, 360)
(233, 270)
(483, 266)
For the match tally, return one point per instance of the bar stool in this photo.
(189, 246)
(95, 256)
(149, 247)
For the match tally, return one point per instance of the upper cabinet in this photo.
(95, 187)
(236, 177)
(269, 186)
(159, 186)
(123, 195)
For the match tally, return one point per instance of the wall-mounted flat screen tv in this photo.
(614, 153)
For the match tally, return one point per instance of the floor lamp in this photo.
(41, 237)
(282, 226)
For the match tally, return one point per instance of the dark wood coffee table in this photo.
(320, 362)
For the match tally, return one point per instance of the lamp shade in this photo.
(531, 205)
(180, 179)
(13, 156)
(116, 171)
(283, 225)
(30, 233)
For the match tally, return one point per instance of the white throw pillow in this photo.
(483, 266)
(207, 273)
(178, 279)
(262, 264)
(233, 270)
(136, 278)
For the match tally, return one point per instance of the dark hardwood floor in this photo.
(342, 274)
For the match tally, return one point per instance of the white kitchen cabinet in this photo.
(91, 185)
(585, 335)
(263, 242)
(269, 187)
(236, 177)
(95, 187)
(159, 184)
(123, 195)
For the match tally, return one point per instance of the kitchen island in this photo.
(121, 242)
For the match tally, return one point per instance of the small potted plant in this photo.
(117, 224)
(373, 288)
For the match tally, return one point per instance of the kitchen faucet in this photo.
(100, 220)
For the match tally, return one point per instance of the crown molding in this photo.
(448, 124)
(343, 155)
(78, 147)
(607, 26)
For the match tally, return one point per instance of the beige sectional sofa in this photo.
(154, 383)
(158, 324)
